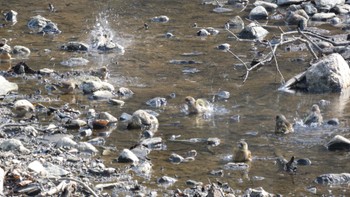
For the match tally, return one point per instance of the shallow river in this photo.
(145, 68)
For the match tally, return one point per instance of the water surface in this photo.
(145, 69)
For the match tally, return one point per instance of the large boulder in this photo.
(329, 74)
(7, 86)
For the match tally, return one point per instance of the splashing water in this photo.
(103, 36)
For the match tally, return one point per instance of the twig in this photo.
(277, 67)
(308, 39)
(82, 183)
(239, 59)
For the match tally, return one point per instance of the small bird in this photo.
(51, 8)
(66, 87)
(283, 126)
(241, 153)
(197, 106)
(5, 56)
(102, 73)
(146, 26)
(314, 116)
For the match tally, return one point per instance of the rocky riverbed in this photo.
(173, 98)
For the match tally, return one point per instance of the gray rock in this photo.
(108, 116)
(288, 2)
(236, 166)
(141, 152)
(54, 170)
(258, 13)
(342, 9)
(40, 24)
(21, 51)
(7, 86)
(176, 159)
(86, 147)
(37, 167)
(333, 179)
(66, 142)
(322, 16)
(23, 107)
(253, 31)
(223, 94)
(295, 17)
(142, 119)
(224, 47)
(13, 145)
(116, 102)
(157, 102)
(90, 86)
(125, 92)
(213, 141)
(329, 74)
(309, 8)
(166, 180)
(127, 156)
(75, 46)
(257, 192)
(328, 4)
(125, 117)
(203, 32)
(266, 5)
(152, 143)
(236, 23)
(11, 16)
(338, 142)
(102, 94)
(160, 19)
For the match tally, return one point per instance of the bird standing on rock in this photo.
(241, 153)
(197, 106)
(283, 126)
(314, 116)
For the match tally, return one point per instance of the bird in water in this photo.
(241, 153)
(283, 126)
(66, 87)
(314, 116)
(102, 73)
(197, 106)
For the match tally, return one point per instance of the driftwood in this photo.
(304, 38)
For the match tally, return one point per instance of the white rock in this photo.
(7, 86)
(127, 156)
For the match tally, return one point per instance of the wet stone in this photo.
(217, 172)
(166, 180)
(75, 46)
(213, 141)
(333, 179)
(175, 158)
(160, 19)
(157, 102)
(127, 156)
(338, 142)
(42, 25)
(304, 162)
